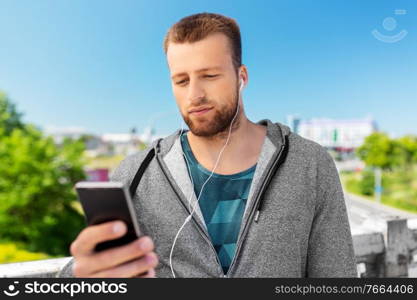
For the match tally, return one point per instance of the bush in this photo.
(367, 183)
(36, 186)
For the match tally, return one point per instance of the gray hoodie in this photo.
(295, 223)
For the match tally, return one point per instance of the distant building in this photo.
(108, 144)
(293, 122)
(60, 134)
(101, 174)
(148, 135)
(123, 143)
(95, 146)
(339, 135)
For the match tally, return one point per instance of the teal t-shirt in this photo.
(222, 203)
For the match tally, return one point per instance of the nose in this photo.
(195, 92)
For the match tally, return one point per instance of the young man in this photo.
(270, 203)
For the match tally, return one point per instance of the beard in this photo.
(218, 124)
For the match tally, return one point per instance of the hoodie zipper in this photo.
(254, 208)
(251, 214)
(200, 229)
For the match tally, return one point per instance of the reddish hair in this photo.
(198, 26)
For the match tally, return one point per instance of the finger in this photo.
(94, 234)
(113, 257)
(130, 269)
(150, 274)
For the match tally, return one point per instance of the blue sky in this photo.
(100, 65)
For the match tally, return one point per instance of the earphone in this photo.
(241, 85)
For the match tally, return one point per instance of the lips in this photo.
(200, 110)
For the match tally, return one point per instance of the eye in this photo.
(211, 76)
(181, 82)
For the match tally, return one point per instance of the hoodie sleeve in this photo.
(66, 271)
(330, 248)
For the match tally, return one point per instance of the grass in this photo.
(399, 187)
(12, 252)
(107, 162)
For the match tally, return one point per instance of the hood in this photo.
(276, 133)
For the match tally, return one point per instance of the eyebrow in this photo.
(198, 71)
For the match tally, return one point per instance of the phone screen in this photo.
(104, 202)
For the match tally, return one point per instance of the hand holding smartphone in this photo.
(108, 201)
(100, 250)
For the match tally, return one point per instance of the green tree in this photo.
(376, 150)
(407, 148)
(36, 187)
(9, 117)
(404, 156)
(367, 182)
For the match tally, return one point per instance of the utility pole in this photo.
(378, 185)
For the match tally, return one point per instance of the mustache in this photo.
(201, 102)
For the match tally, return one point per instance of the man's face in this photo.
(204, 83)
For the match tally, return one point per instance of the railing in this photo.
(45, 268)
(376, 256)
(393, 256)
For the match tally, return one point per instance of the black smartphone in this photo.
(108, 201)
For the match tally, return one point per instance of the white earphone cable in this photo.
(212, 172)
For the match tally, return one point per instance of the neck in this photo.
(242, 149)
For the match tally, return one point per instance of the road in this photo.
(367, 216)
